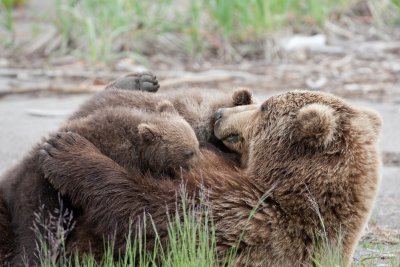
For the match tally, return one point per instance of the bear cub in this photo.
(158, 142)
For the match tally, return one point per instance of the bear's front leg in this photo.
(142, 81)
(75, 167)
(109, 197)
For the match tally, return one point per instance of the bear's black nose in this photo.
(189, 154)
(218, 114)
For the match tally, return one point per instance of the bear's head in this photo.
(168, 142)
(232, 128)
(317, 152)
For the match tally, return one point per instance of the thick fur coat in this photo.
(312, 169)
(118, 134)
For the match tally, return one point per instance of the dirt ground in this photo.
(355, 60)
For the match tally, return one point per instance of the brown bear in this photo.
(196, 106)
(160, 143)
(312, 168)
(137, 81)
(23, 190)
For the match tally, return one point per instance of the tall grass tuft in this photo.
(51, 231)
(6, 16)
(191, 235)
(191, 240)
(328, 253)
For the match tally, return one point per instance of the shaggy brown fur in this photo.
(23, 191)
(236, 119)
(160, 143)
(146, 195)
(321, 155)
(314, 153)
(196, 106)
(7, 235)
(107, 121)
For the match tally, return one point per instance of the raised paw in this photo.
(68, 142)
(62, 153)
(242, 97)
(143, 81)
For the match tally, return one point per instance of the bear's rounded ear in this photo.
(166, 107)
(147, 132)
(242, 97)
(316, 124)
(374, 119)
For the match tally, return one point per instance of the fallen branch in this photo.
(213, 75)
(58, 73)
(48, 113)
(53, 87)
(177, 78)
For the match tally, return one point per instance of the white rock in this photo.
(127, 64)
(303, 42)
(3, 62)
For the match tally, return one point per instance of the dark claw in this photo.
(149, 87)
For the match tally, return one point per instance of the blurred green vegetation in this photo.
(6, 6)
(243, 19)
(101, 30)
(104, 27)
(396, 3)
(12, 3)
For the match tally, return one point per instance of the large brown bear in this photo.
(314, 154)
(113, 129)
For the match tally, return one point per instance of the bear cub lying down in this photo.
(160, 142)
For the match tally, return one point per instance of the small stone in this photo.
(3, 63)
